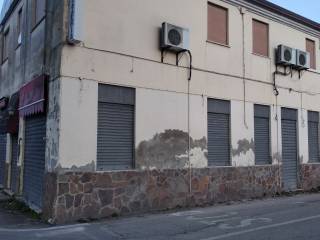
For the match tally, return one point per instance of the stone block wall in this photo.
(74, 196)
(310, 176)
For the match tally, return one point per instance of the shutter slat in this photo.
(3, 144)
(313, 141)
(115, 136)
(262, 140)
(289, 151)
(34, 163)
(218, 139)
(14, 167)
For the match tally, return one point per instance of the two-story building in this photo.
(97, 120)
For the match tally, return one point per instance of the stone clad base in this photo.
(310, 176)
(74, 196)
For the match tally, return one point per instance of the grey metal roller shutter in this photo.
(34, 160)
(3, 145)
(14, 167)
(262, 134)
(218, 132)
(289, 148)
(313, 136)
(115, 140)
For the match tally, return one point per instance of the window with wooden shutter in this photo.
(5, 44)
(217, 24)
(311, 48)
(19, 27)
(260, 36)
(38, 11)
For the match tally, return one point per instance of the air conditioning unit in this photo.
(303, 60)
(286, 56)
(174, 38)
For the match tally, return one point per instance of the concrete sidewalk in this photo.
(11, 217)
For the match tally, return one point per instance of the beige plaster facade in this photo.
(120, 46)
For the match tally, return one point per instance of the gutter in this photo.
(285, 13)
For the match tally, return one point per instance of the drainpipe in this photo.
(242, 12)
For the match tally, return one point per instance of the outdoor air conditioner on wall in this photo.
(302, 60)
(286, 56)
(174, 38)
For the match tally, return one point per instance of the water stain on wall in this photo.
(244, 146)
(167, 150)
(90, 167)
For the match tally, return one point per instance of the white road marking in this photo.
(262, 228)
(195, 218)
(43, 229)
(60, 232)
(187, 213)
(219, 221)
(245, 223)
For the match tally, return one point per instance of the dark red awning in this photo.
(33, 97)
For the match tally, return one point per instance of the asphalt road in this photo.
(286, 218)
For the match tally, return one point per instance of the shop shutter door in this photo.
(313, 136)
(34, 162)
(14, 167)
(115, 143)
(289, 148)
(3, 144)
(218, 133)
(262, 134)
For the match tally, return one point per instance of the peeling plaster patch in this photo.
(90, 167)
(169, 149)
(244, 146)
(301, 159)
(276, 157)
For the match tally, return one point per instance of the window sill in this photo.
(4, 61)
(220, 44)
(263, 56)
(37, 24)
(18, 46)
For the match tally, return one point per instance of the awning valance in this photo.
(33, 97)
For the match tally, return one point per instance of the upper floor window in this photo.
(5, 44)
(38, 11)
(217, 24)
(260, 37)
(19, 27)
(311, 48)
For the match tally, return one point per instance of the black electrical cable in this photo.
(275, 89)
(190, 66)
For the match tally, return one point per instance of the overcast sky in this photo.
(307, 8)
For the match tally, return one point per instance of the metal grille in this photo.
(313, 136)
(34, 162)
(115, 136)
(3, 145)
(289, 149)
(218, 139)
(262, 135)
(14, 167)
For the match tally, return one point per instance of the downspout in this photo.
(189, 135)
(242, 12)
